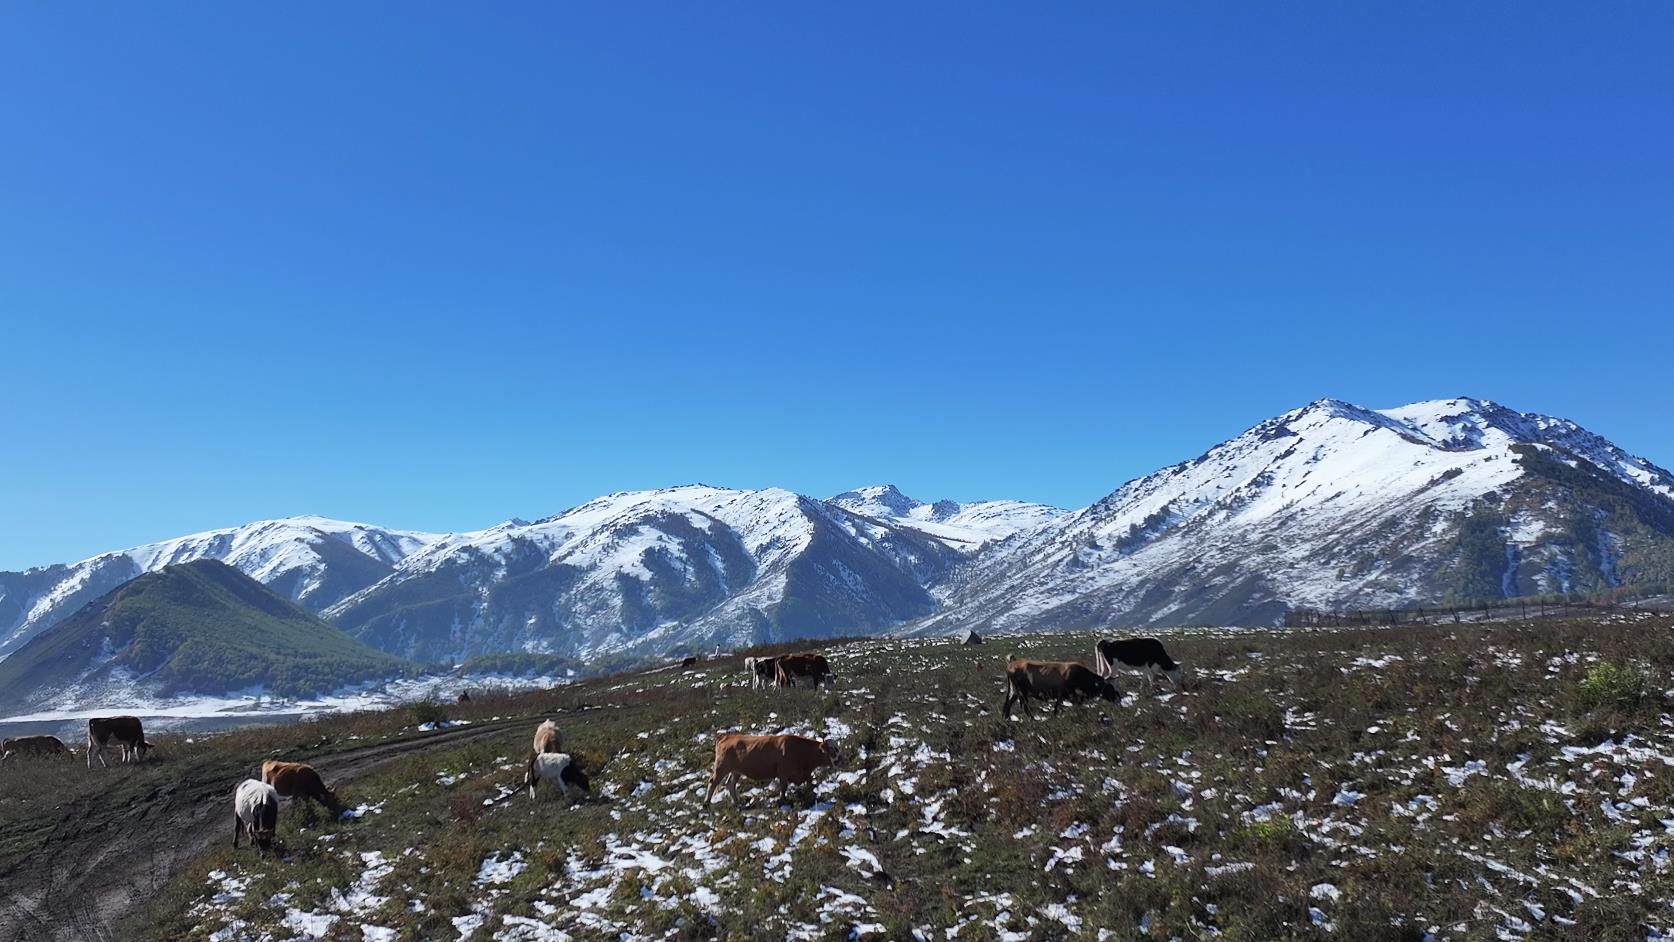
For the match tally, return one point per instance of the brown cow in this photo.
(296, 780)
(548, 738)
(1053, 680)
(789, 759)
(128, 733)
(40, 747)
(789, 667)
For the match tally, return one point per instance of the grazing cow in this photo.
(548, 738)
(1145, 655)
(792, 666)
(763, 671)
(789, 759)
(44, 747)
(297, 780)
(1053, 680)
(689, 661)
(557, 767)
(256, 813)
(128, 733)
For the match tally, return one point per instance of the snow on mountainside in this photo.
(965, 526)
(1334, 505)
(652, 571)
(313, 561)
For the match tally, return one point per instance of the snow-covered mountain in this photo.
(967, 527)
(1329, 506)
(653, 571)
(1334, 505)
(310, 560)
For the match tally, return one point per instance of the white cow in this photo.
(256, 813)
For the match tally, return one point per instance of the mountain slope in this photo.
(311, 560)
(967, 527)
(674, 569)
(1334, 505)
(200, 627)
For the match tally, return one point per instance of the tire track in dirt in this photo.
(103, 863)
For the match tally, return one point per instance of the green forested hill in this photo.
(200, 627)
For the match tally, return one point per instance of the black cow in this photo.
(1145, 655)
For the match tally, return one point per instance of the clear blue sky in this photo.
(435, 265)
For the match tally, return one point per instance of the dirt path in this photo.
(104, 861)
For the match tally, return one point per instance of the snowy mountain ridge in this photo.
(312, 560)
(965, 526)
(1330, 505)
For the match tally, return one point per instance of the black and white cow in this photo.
(1145, 655)
(763, 670)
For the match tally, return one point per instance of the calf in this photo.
(789, 759)
(256, 813)
(792, 666)
(548, 738)
(1053, 680)
(296, 780)
(1145, 655)
(40, 747)
(557, 767)
(763, 671)
(128, 733)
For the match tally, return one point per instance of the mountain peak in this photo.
(878, 500)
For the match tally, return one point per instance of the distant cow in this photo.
(256, 813)
(297, 780)
(789, 759)
(1145, 655)
(548, 738)
(788, 668)
(127, 732)
(41, 747)
(464, 696)
(763, 671)
(1053, 680)
(557, 767)
(690, 661)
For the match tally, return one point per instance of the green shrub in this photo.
(1617, 686)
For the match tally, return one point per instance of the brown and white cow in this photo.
(1053, 680)
(298, 780)
(126, 731)
(548, 738)
(789, 668)
(256, 813)
(35, 747)
(790, 760)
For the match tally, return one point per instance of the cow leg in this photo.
(238, 829)
(710, 794)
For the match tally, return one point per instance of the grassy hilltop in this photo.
(201, 626)
(1489, 781)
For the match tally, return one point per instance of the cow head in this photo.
(1177, 674)
(262, 838)
(141, 749)
(572, 775)
(830, 751)
(1108, 691)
